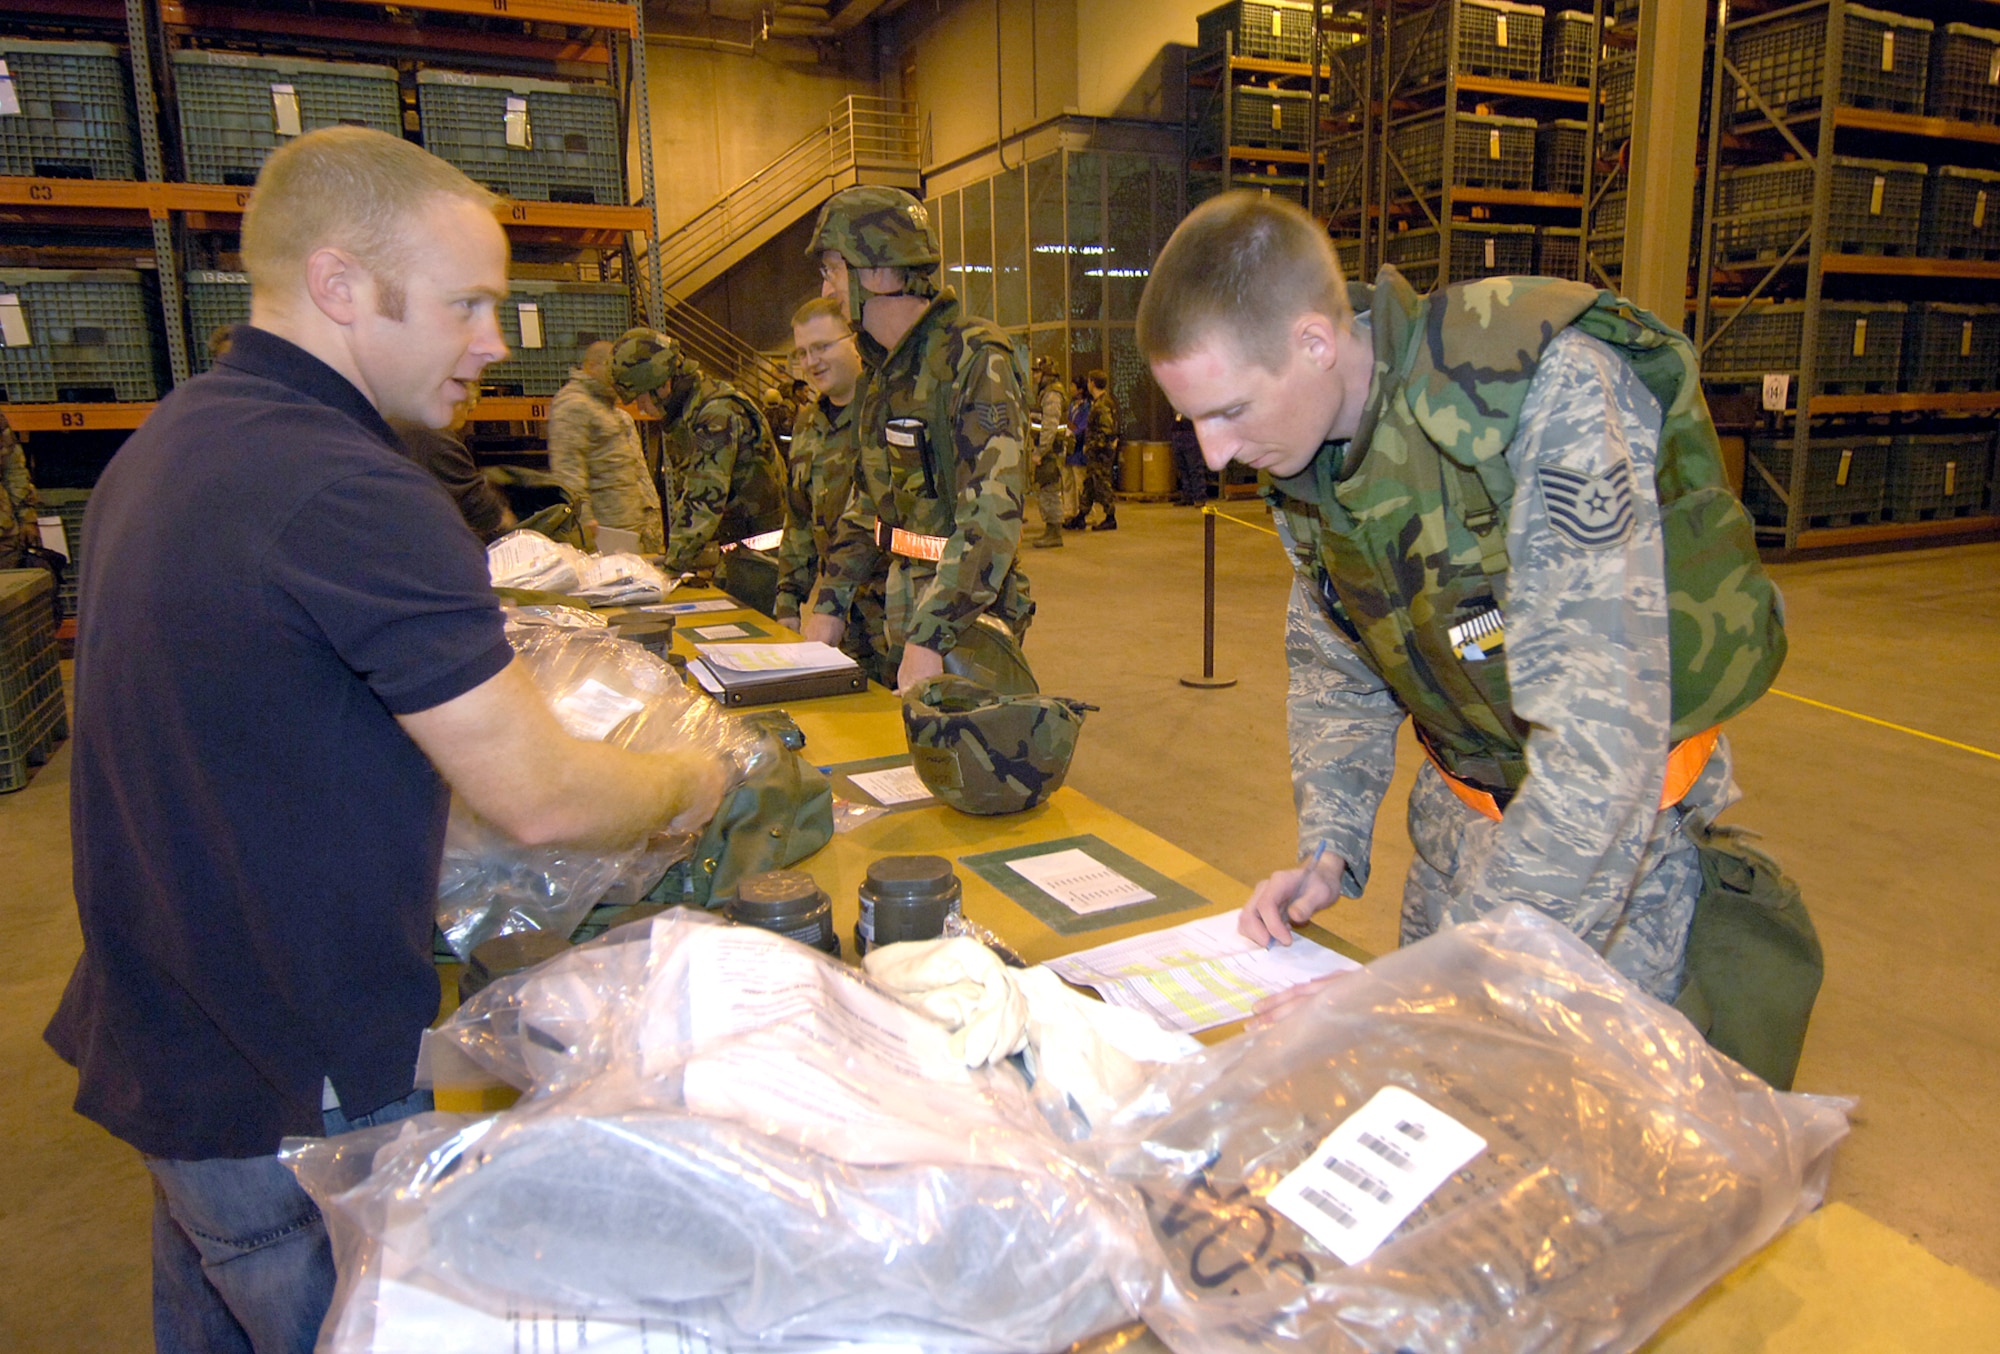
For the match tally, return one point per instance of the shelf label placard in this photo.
(13, 322)
(1777, 392)
(10, 98)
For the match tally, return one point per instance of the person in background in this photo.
(1051, 419)
(820, 482)
(20, 509)
(1190, 473)
(1074, 459)
(1100, 457)
(779, 415)
(943, 472)
(725, 463)
(594, 451)
(443, 452)
(289, 658)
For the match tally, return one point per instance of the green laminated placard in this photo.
(842, 774)
(1169, 895)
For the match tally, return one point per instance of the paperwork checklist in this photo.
(1197, 975)
(805, 656)
(1079, 881)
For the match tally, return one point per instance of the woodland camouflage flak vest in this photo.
(1403, 537)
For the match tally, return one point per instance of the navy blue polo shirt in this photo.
(268, 582)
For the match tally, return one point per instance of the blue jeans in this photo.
(241, 1262)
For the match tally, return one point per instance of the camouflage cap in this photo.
(643, 360)
(874, 227)
(985, 753)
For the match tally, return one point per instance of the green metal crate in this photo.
(32, 717)
(1560, 149)
(1885, 60)
(1965, 74)
(1961, 218)
(1616, 81)
(89, 337)
(1874, 207)
(1349, 254)
(68, 504)
(1271, 29)
(1345, 169)
(1556, 251)
(1569, 40)
(570, 316)
(214, 300)
(1860, 344)
(1950, 347)
(1934, 476)
(75, 112)
(1495, 38)
(1846, 478)
(532, 140)
(1274, 119)
(235, 109)
(1481, 249)
(1490, 152)
(1607, 237)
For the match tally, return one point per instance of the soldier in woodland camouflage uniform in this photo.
(726, 469)
(943, 471)
(594, 451)
(1482, 490)
(20, 511)
(820, 482)
(1100, 451)
(1051, 444)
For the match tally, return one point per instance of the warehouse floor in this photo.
(1891, 835)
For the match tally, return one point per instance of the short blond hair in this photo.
(1243, 266)
(818, 307)
(352, 188)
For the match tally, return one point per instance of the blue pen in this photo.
(1311, 865)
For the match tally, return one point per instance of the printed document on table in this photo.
(689, 608)
(1079, 881)
(1197, 975)
(805, 656)
(896, 785)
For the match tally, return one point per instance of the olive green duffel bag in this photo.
(1753, 958)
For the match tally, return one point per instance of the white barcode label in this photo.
(10, 98)
(1993, 67)
(1277, 27)
(519, 135)
(1846, 464)
(1888, 49)
(285, 110)
(1979, 205)
(1965, 338)
(1861, 338)
(13, 323)
(1875, 196)
(1499, 30)
(1777, 392)
(1493, 144)
(531, 324)
(1950, 478)
(1489, 252)
(1373, 1171)
(1277, 116)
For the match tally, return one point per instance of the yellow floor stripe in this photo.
(1899, 728)
(1217, 512)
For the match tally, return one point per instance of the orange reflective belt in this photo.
(910, 544)
(1684, 767)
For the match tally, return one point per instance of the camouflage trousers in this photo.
(1647, 941)
(866, 638)
(1100, 482)
(1049, 483)
(910, 579)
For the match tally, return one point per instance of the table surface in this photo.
(1838, 1281)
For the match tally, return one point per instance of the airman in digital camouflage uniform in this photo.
(1467, 483)
(1051, 445)
(820, 481)
(727, 469)
(943, 470)
(594, 451)
(20, 511)
(1100, 458)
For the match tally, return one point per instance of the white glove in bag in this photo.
(731, 1135)
(1625, 1165)
(601, 689)
(961, 985)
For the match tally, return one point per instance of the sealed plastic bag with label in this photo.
(730, 1136)
(1487, 1141)
(603, 689)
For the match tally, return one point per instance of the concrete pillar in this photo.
(1666, 114)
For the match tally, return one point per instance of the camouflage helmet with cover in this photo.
(644, 361)
(878, 227)
(985, 753)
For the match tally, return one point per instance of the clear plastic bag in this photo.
(730, 1134)
(1627, 1165)
(600, 688)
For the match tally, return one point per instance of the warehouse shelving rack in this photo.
(592, 35)
(1751, 122)
(1395, 201)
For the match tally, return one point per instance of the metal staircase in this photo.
(865, 140)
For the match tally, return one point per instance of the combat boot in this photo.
(1110, 523)
(1050, 539)
(1075, 523)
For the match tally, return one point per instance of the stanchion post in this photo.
(1208, 681)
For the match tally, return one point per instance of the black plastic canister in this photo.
(906, 898)
(788, 902)
(655, 634)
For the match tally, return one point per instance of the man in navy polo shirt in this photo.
(287, 653)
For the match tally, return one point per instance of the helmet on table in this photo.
(985, 753)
